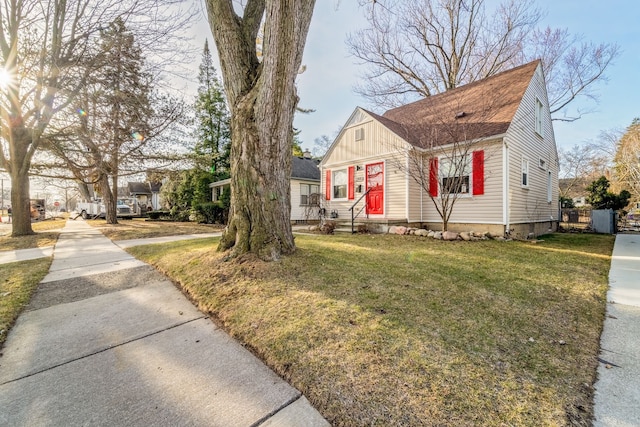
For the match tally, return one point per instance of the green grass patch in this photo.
(18, 280)
(400, 330)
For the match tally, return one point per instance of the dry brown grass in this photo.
(18, 280)
(46, 235)
(139, 228)
(396, 330)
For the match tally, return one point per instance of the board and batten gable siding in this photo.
(374, 144)
(527, 205)
(485, 208)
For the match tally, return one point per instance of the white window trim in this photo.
(333, 184)
(525, 169)
(538, 114)
(469, 192)
(542, 164)
(308, 186)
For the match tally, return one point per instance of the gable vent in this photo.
(359, 134)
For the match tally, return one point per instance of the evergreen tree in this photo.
(601, 198)
(296, 148)
(213, 135)
(115, 118)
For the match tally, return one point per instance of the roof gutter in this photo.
(453, 144)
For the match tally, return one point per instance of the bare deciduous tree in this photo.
(447, 160)
(262, 99)
(418, 48)
(583, 163)
(46, 50)
(627, 160)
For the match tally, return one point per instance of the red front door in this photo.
(375, 186)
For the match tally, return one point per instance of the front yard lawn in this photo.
(18, 280)
(46, 234)
(401, 330)
(140, 228)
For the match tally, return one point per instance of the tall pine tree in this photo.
(212, 133)
(114, 111)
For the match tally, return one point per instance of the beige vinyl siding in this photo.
(479, 209)
(417, 196)
(531, 204)
(378, 144)
(396, 187)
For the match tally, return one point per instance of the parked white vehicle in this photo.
(96, 209)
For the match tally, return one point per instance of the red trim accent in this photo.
(478, 172)
(327, 184)
(433, 177)
(351, 185)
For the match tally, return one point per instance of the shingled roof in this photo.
(139, 188)
(478, 110)
(305, 168)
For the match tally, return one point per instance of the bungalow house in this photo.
(481, 157)
(145, 196)
(305, 188)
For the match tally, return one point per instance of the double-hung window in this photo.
(454, 174)
(538, 113)
(308, 194)
(525, 172)
(340, 180)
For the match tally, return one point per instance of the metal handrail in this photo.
(353, 217)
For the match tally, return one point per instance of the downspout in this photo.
(407, 208)
(505, 186)
(421, 191)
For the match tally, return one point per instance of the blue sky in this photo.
(326, 86)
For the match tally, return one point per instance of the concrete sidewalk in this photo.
(617, 395)
(107, 340)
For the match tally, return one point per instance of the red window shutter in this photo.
(350, 187)
(433, 177)
(478, 172)
(327, 183)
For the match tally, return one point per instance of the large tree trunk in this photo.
(262, 99)
(108, 200)
(19, 173)
(259, 217)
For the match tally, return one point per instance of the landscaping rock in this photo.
(401, 230)
(449, 235)
(437, 235)
(422, 233)
(392, 229)
(465, 236)
(313, 228)
(431, 233)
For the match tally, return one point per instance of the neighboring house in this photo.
(305, 188)
(576, 189)
(501, 134)
(146, 196)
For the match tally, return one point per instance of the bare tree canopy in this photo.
(47, 53)
(627, 160)
(259, 80)
(418, 48)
